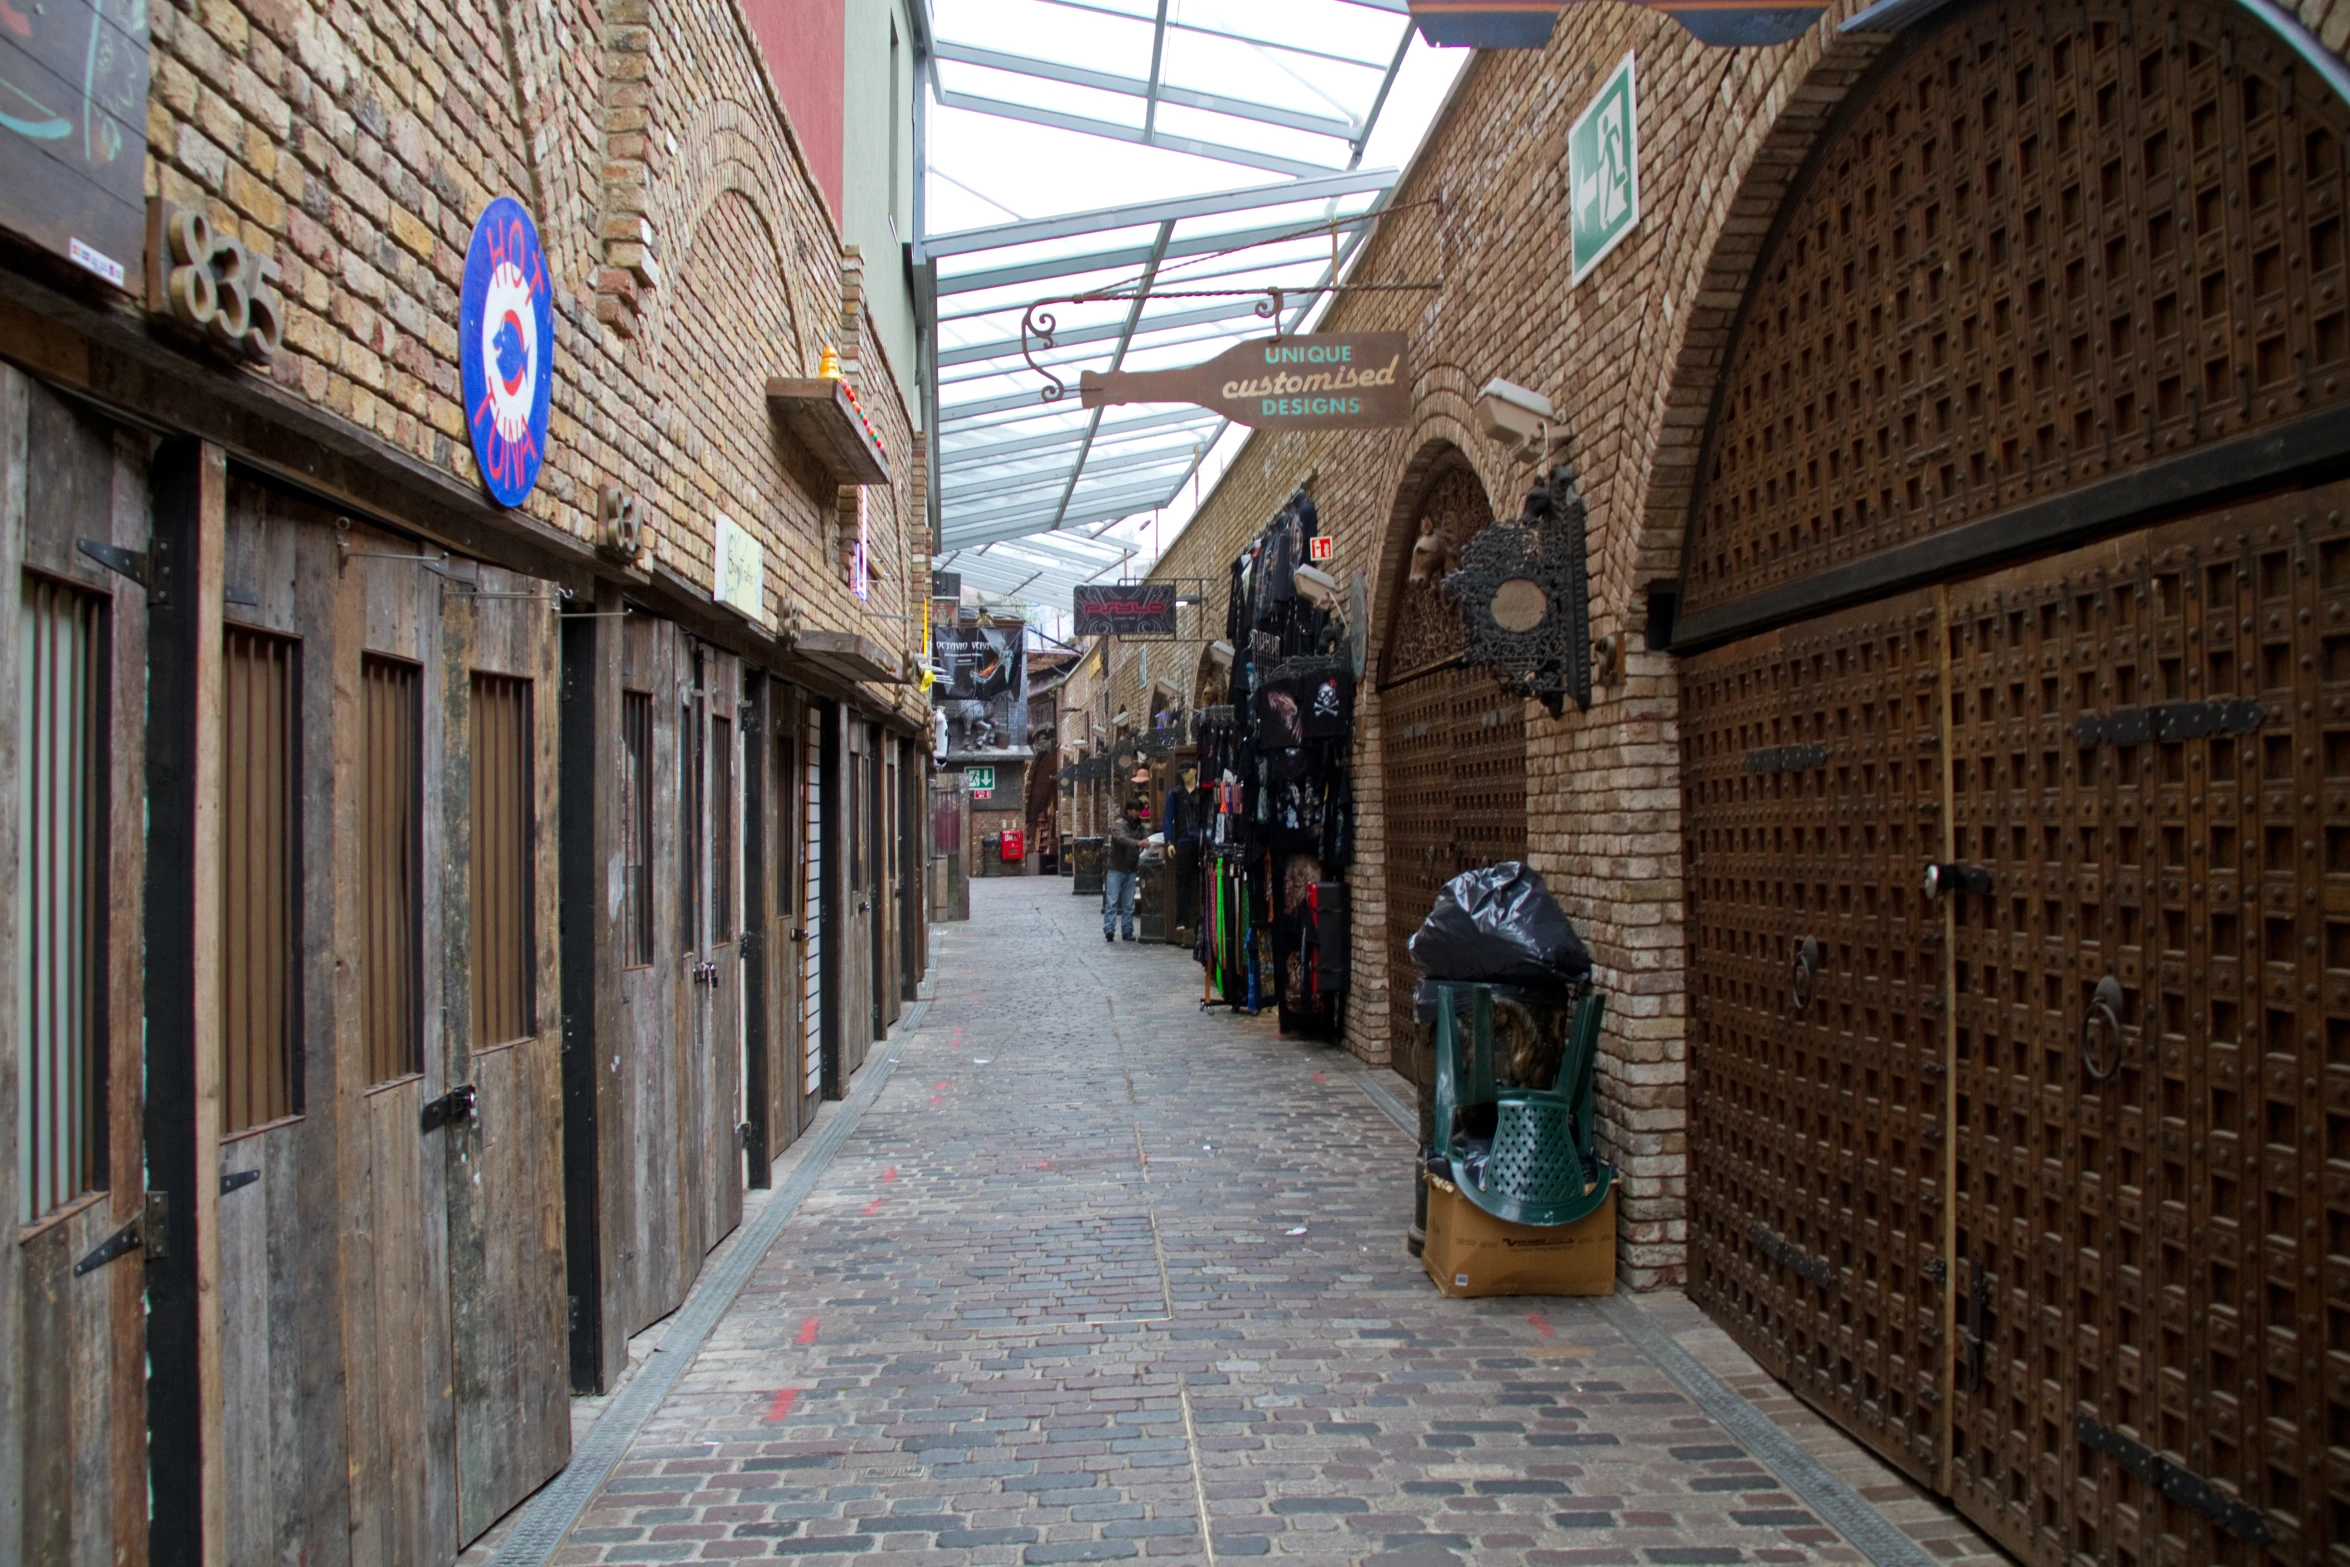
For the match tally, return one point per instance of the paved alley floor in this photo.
(1095, 1265)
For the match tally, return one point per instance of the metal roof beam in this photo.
(1152, 91)
(1125, 428)
(1006, 347)
(1111, 130)
(1029, 517)
(1083, 516)
(1130, 255)
(1142, 292)
(1157, 457)
(1318, 187)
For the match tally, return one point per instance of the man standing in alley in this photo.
(1126, 835)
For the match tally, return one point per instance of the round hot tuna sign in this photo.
(505, 342)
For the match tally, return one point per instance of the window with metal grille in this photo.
(504, 970)
(722, 827)
(259, 880)
(391, 850)
(61, 828)
(636, 828)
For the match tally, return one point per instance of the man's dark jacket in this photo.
(1125, 845)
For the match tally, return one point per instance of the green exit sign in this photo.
(979, 780)
(1603, 172)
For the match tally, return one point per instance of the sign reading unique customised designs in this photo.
(1312, 381)
(505, 349)
(73, 131)
(1603, 172)
(1127, 609)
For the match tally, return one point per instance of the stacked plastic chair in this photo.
(1542, 1165)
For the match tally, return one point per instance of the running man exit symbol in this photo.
(1603, 171)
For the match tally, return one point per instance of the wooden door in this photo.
(1454, 752)
(498, 1033)
(2039, 1185)
(73, 1440)
(774, 815)
(714, 996)
(849, 954)
(1811, 776)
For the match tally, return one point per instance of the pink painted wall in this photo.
(803, 41)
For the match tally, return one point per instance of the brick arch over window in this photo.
(2033, 255)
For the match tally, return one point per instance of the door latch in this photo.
(798, 934)
(1941, 878)
(455, 1105)
(1803, 975)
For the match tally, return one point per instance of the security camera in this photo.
(1509, 412)
(1319, 586)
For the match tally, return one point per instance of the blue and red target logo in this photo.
(505, 348)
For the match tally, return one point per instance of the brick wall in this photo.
(693, 256)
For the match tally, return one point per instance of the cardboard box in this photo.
(1471, 1253)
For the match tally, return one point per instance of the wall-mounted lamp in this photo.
(1509, 412)
(1221, 652)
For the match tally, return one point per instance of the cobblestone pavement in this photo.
(1096, 1265)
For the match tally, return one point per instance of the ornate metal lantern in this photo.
(1524, 591)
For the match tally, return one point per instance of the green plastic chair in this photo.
(1543, 1168)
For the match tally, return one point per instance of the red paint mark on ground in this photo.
(942, 1084)
(1540, 1326)
(890, 1174)
(934, 1099)
(874, 1206)
(808, 1331)
(1044, 1164)
(784, 1399)
(1319, 1078)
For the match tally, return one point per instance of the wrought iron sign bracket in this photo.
(1524, 591)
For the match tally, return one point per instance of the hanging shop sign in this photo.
(1128, 609)
(505, 347)
(73, 131)
(1524, 593)
(1313, 381)
(1603, 172)
(1526, 24)
(738, 573)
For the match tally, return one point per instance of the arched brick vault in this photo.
(721, 153)
(1678, 382)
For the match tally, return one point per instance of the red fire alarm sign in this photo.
(1321, 548)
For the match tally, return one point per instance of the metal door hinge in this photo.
(455, 1105)
(2130, 726)
(1792, 1257)
(2188, 1489)
(1978, 1307)
(148, 571)
(1786, 758)
(238, 1180)
(150, 1231)
(1942, 877)
(798, 934)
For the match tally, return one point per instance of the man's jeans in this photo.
(1118, 900)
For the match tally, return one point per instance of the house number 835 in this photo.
(219, 288)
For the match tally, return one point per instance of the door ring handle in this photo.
(1804, 974)
(2105, 1005)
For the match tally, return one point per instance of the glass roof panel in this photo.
(1172, 159)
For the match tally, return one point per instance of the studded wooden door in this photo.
(1454, 747)
(1818, 1200)
(2142, 752)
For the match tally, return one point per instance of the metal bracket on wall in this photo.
(238, 1180)
(1786, 758)
(2188, 1489)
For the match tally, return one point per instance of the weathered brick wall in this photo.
(693, 256)
(1627, 358)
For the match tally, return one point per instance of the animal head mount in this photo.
(1435, 556)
